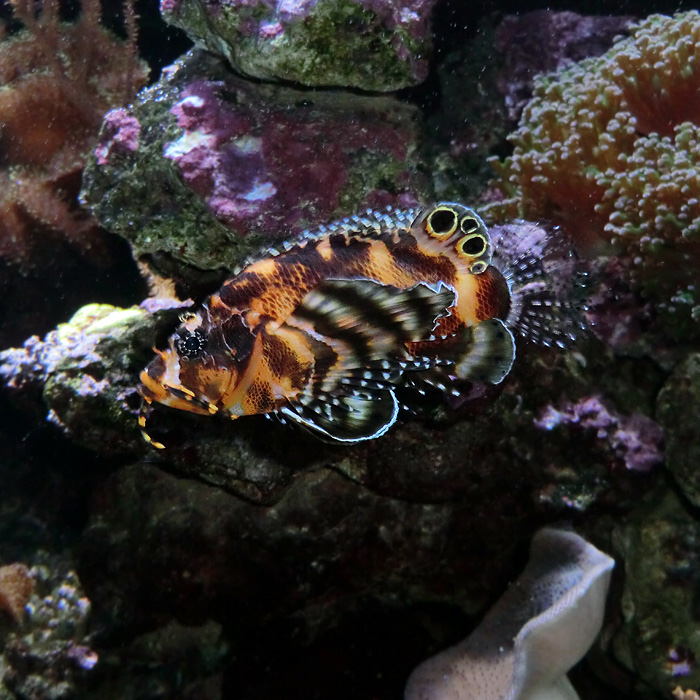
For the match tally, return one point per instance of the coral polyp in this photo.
(58, 79)
(608, 148)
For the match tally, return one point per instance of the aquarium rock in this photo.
(205, 166)
(377, 45)
(660, 546)
(678, 409)
(86, 370)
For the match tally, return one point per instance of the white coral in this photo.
(540, 628)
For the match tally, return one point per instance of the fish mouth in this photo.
(155, 390)
(152, 389)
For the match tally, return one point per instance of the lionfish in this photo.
(325, 332)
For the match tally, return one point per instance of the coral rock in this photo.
(50, 657)
(243, 162)
(87, 369)
(367, 44)
(540, 628)
(636, 439)
(658, 639)
(678, 409)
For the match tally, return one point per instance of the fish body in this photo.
(325, 331)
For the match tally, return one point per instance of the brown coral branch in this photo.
(16, 587)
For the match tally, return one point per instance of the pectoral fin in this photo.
(359, 330)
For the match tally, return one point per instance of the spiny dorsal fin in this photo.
(370, 224)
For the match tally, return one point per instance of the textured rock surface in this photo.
(87, 370)
(543, 41)
(678, 410)
(49, 658)
(279, 577)
(205, 165)
(659, 639)
(367, 44)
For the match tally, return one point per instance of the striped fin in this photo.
(489, 352)
(359, 330)
(375, 319)
(483, 353)
(348, 419)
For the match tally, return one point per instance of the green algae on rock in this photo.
(609, 149)
(377, 45)
(678, 408)
(659, 640)
(205, 166)
(86, 369)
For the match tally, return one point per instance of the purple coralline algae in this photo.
(377, 45)
(247, 168)
(245, 160)
(636, 438)
(120, 134)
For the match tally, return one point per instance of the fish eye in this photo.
(469, 224)
(472, 246)
(189, 344)
(478, 267)
(442, 222)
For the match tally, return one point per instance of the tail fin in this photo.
(545, 282)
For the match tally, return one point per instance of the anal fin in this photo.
(348, 418)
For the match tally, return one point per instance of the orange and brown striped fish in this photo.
(325, 332)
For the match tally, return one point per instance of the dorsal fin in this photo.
(359, 330)
(371, 224)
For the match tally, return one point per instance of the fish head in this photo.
(457, 230)
(201, 365)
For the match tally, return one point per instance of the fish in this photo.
(325, 331)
